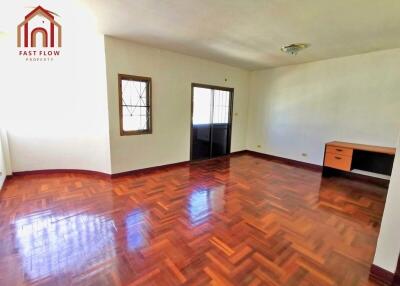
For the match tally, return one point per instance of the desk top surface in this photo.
(363, 147)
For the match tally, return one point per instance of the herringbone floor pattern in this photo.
(230, 221)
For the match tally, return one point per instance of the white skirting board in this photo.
(2, 167)
(2, 179)
(5, 168)
(370, 174)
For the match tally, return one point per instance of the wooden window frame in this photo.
(147, 80)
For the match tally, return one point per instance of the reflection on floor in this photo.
(230, 221)
(56, 244)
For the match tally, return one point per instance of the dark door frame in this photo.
(231, 91)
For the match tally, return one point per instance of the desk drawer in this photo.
(337, 161)
(339, 150)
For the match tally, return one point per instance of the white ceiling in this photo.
(249, 33)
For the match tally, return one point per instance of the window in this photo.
(134, 104)
(202, 105)
(221, 106)
(211, 105)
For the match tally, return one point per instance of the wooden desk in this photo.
(363, 159)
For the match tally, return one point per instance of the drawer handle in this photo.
(338, 158)
(339, 150)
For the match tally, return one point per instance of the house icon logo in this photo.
(39, 30)
(39, 36)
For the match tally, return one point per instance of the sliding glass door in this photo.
(211, 121)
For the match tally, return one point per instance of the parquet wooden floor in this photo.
(241, 220)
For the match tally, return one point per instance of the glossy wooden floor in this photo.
(233, 221)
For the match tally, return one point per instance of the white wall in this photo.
(388, 247)
(172, 75)
(297, 109)
(56, 112)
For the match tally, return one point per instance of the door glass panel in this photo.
(220, 127)
(221, 106)
(201, 129)
(201, 106)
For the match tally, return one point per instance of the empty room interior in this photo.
(200, 142)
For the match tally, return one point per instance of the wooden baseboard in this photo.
(318, 168)
(241, 152)
(150, 169)
(56, 171)
(287, 161)
(381, 275)
(116, 175)
(88, 172)
(290, 162)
